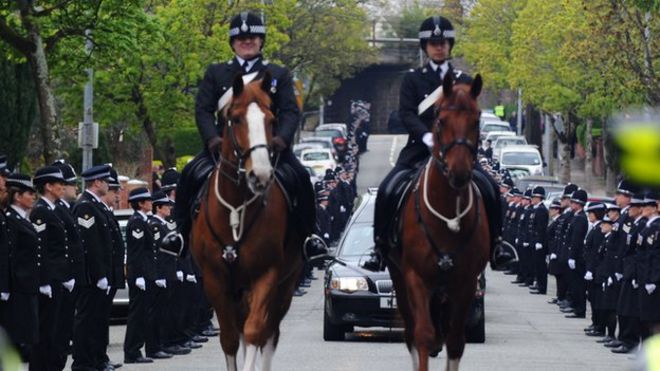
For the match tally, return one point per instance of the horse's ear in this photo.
(448, 84)
(238, 85)
(266, 81)
(477, 84)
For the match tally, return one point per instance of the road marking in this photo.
(393, 151)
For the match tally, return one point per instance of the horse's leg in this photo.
(456, 331)
(437, 311)
(420, 306)
(404, 311)
(267, 353)
(256, 326)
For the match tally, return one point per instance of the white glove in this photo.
(4, 296)
(69, 284)
(326, 235)
(553, 256)
(428, 140)
(538, 246)
(179, 276)
(342, 209)
(634, 284)
(516, 241)
(161, 283)
(140, 283)
(571, 263)
(107, 291)
(525, 244)
(650, 287)
(610, 281)
(46, 290)
(589, 276)
(102, 283)
(191, 278)
(618, 276)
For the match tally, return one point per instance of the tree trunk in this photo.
(565, 164)
(48, 119)
(588, 158)
(609, 159)
(147, 124)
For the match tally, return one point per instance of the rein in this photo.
(441, 161)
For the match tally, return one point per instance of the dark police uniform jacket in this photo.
(620, 229)
(26, 255)
(166, 265)
(592, 248)
(4, 255)
(220, 77)
(577, 231)
(629, 296)
(524, 231)
(76, 254)
(142, 253)
(55, 237)
(95, 237)
(551, 235)
(117, 277)
(539, 225)
(416, 86)
(648, 259)
(562, 240)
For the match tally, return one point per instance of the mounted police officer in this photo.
(436, 38)
(247, 34)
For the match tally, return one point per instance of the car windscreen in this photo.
(521, 158)
(509, 142)
(328, 133)
(490, 127)
(323, 144)
(316, 156)
(359, 240)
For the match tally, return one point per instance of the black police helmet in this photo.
(436, 28)
(246, 24)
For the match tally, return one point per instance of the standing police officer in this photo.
(538, 240)
(4, 248)
(576, 232)
(559, 258)
(247, 35)
(436, 38)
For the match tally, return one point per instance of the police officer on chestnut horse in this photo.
(247, 35)
(420, 89)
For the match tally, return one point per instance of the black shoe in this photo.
(116, 365)
(516, 282)
(553, 301)
(537, 292)
(375, 263)
(533, 287)
(159, 355)
(595, 333)
(299, 292)
(510, 273)
(314, 249)
(524, 284)
(576, 315)
(139, 359)
(192, 345)
(210, 333)
(589, 328)
(199, 339)
(176, 350)
(613, 344)
(566, 310)
(305, 284)
(605, 340)
(624, 349)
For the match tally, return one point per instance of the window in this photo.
(316, 156)
(359, 240)
(521, 158)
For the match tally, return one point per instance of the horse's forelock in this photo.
(460, 99)
(252, 93)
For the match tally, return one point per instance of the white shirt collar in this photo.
(20, 211)
(50, 204)
(143, 214)
(444, 67)
(608, 234)
(160, 218)
(251, 62)
(652, 219)
(555, 217)
(95, 196)
(68, 206)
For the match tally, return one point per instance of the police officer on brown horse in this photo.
(417, 98)
(247, 34)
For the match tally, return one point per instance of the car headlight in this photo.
(349, 284)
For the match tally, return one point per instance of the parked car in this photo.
(335, 125)
(319, 159)
(298, 147)
(358, 297)
(493, 126)
(324, 142)
(505, 141)
(525, 157)
(338, 135)
(487, 116)
(313, 175)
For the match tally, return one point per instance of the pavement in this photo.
(523, 331)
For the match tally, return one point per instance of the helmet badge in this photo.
(244, 27)
(437, 31)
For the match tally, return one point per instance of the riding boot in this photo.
(376, 261)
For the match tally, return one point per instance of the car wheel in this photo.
(332, 332)
(477, 333)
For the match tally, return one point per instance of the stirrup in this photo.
(314, 248)
(500, 257)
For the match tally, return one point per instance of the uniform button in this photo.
(38, 255)
(66, 255)
(38, 264)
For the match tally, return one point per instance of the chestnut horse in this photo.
(249, 257)
(444, 237)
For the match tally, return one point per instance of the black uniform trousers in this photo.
(89, 332)
(578, 288)
(177, 303)
(140, 320)
(45, 355)
(540, 270)
(64, 330)
(155, 321)
(106, 316)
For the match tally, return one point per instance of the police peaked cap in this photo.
(436, 28)
(612, 207)
(626, 188)
(48, 174)
(507, 182)
(528, 194)
(169, 179)
(556, 204)
(569, 189)
(246, 24)
(516, 192)
(329, 177)
(637, 199)
(160, 198)
(139, 194)
(20, 181)
(3, 165)
(606, 219)
(113, 180)
(96, 172)
(538, 192)
(651, 198)
(67, 170)
(595, 206)
(579, 197)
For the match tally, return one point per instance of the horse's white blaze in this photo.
(267, 353)
(257, 132)
(415, 358)
(452, 364)
(231, 363)
(250, 358)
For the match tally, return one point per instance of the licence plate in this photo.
(389, 303)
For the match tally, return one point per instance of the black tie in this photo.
(246, 66)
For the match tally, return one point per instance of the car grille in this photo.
(384, 286)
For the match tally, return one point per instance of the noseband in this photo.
(441, 160)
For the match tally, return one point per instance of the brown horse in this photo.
(249, 257)
(444, 234)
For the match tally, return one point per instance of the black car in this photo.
(358, 297)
